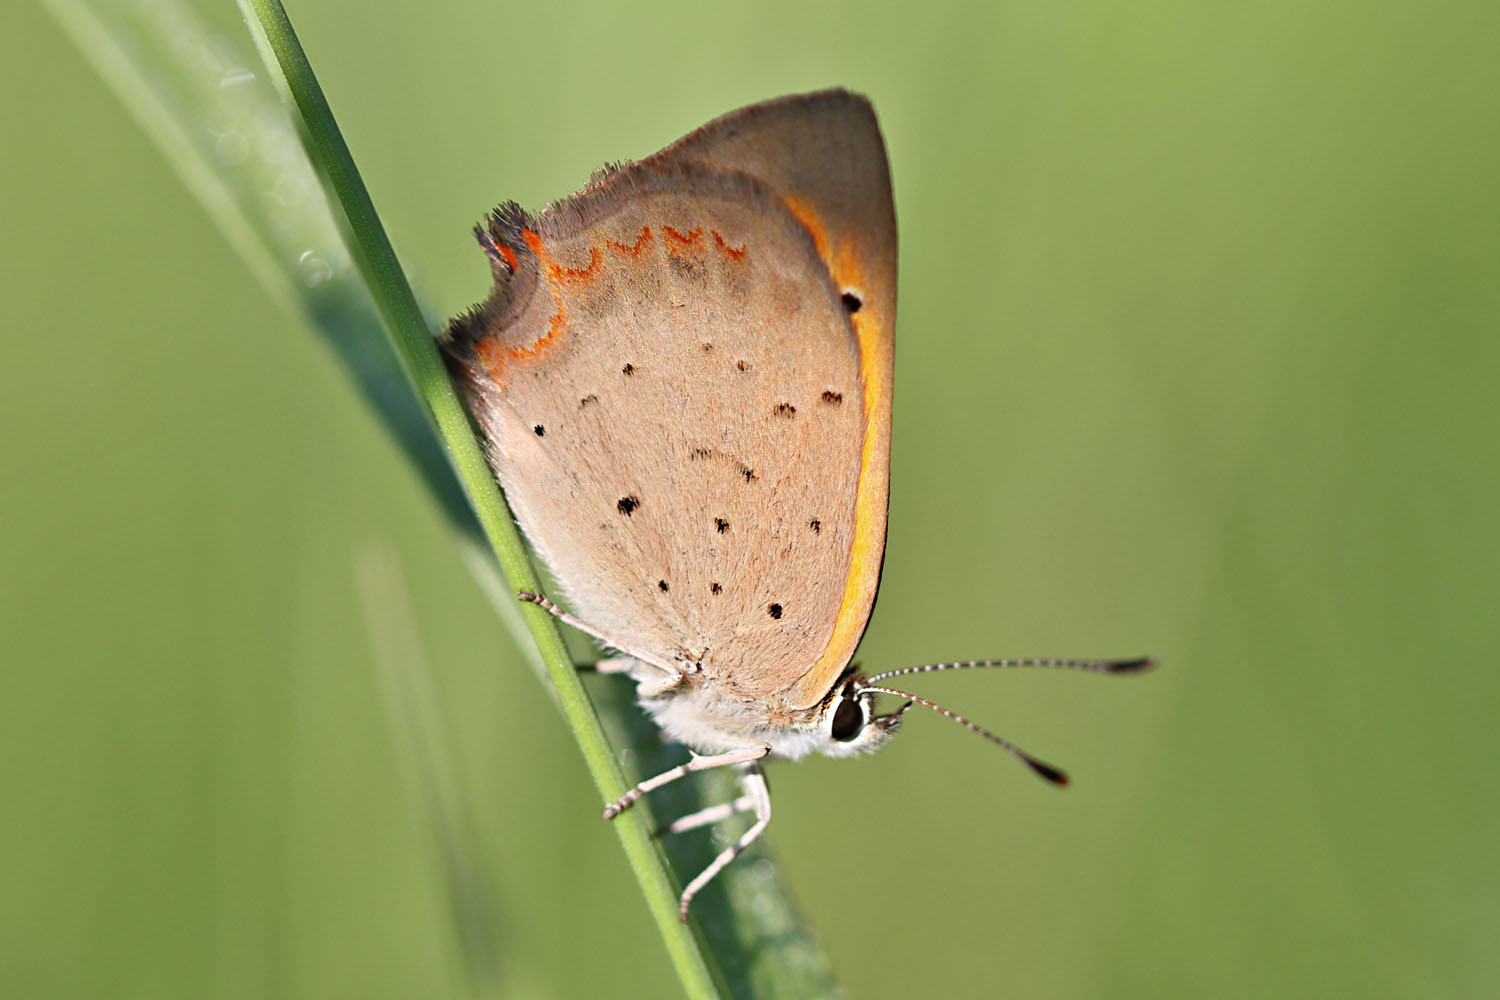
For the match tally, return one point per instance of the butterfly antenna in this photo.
(1094, 666)
(1045, 770)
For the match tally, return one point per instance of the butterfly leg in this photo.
(556, 612)
(707, 817)
(760, 796)
(650, 680)
(695, 764)
(608, 665)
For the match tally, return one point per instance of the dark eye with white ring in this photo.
(848, 720)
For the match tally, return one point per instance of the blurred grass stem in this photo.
(414, 344)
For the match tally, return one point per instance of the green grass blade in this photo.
(397, 306)
(411, 702)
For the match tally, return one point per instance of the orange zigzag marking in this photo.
(641, 242)
(685, 239)
(555, 276)
(730, 251)
(569, 275)
(496, 356)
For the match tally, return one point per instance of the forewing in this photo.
(688, 415)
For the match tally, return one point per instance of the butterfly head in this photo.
(849, 721)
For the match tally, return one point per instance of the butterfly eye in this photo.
(848, 720)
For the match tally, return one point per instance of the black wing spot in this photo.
(786, 410)
(832, 398)
(742, 366)
(629, 369)
(774, 610)
(721, 525)
(627, 505)
(748, 473)
(707, 346)
(714, 588)
(661, 585)
(851, 302)
(815, 525)
(586, 400)
(540, 430)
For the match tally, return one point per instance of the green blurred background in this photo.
(1199, 354)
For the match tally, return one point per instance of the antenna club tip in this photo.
(1131, 666)
(1050, 773)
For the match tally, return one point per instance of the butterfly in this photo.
(683, 378)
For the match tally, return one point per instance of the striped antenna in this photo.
(1045, 770)
(1094, 666)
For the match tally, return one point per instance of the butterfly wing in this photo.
(683, 375)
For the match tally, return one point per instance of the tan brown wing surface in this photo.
(670, 390)
(684, 376)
